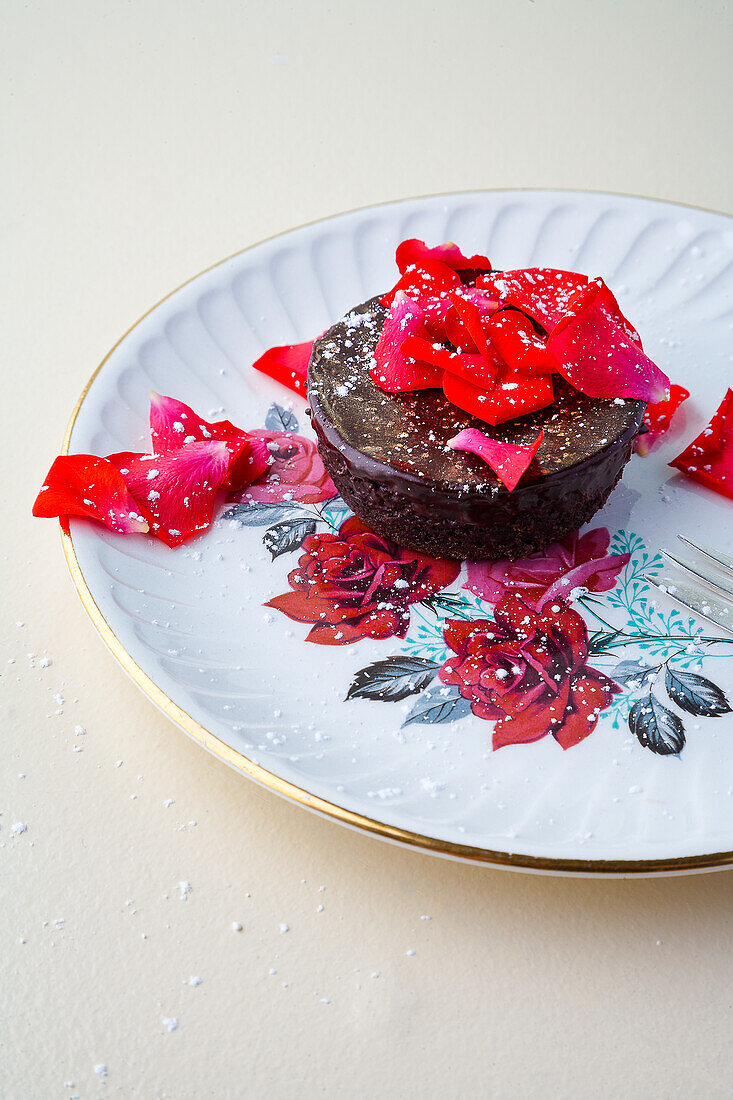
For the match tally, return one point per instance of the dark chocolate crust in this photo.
(389, 459)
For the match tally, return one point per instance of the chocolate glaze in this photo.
(389, 457)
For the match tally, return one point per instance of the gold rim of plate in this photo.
(517, 860)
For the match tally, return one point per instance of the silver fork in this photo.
(705, 586)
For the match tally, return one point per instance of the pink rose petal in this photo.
(415, 252)
(392, 370)
(174, 425)
(508, 460)
(177, 491)
(597, 355)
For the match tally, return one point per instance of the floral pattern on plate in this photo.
(538, 647)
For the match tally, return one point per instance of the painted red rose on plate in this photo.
(355, 584)
(527, 672)
(577, 561)
(296, 472)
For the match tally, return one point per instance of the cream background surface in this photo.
(142, 142)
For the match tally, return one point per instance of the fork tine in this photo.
(691, 598)
(714, 555)
(702, 573)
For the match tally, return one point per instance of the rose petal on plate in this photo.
(658, 417)
(391, 369)
(509, 461)
(596, 354)
(86, 485)
(709, 458)
(429, 279)
(416, 252)
(173, 424)
(287, 364)
(176, 491)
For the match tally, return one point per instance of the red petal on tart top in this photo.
(513, 336)
(414, 251)
(86, 485)
(430, 279)
(709, 458)
(508, 460)
(474, 308)
(512, 396)
(596, 354)
(391, 369)
(287, 364)
(543, 293)
(658, 417)
(176, 492)
(473, 367)
(174, 424)
(455, 332)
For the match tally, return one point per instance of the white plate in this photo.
(190, 627)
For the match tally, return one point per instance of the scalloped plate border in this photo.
(467, 853)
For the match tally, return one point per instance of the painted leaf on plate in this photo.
(279, 419)
(438, 704)
(288, 535)
(631, 673)
(695, 694)
(656, 727)
(392, 679)
(603, 640)
(260, 513)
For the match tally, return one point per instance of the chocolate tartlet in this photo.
(389, 457)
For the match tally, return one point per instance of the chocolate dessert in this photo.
(474, 413)
(389, 457)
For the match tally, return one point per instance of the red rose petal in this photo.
(658, 417)
(474, 309)
(287, 364)
(507, 460)
(430, 279)
(392, 370)
(176, 492)
(414, 251)
(86, 485)
(709, 458)
(543, 293)
(467, 396)
(513, 395)
(455, 332)
(514, 338)
(174, 425)
(473, 367)
(596, 354)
